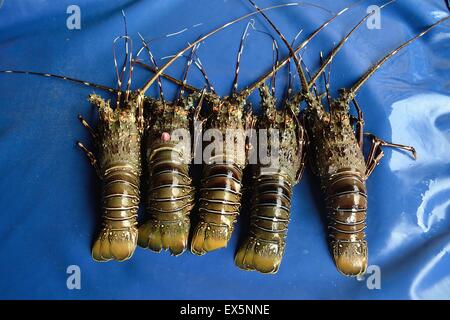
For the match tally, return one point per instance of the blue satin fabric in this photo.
(50, 195)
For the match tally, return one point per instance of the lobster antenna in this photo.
(180, 53)
(181, 83)
(316, 91)
(186, 71)
(336, 49)
(239, 55)
(128, 56)
(269, 74)
(282, 63)
(124, 67)
(326, 80)
(290, 80)
(354, 89)
(130, 76)
(51, 75)
(153, 61)
(82, 82)
(275, 57)
(301, 74)
(167, 77)
(200, 67)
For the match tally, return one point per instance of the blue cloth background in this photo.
(50, 195)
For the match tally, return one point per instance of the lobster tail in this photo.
(115, 244)
(157, 235)
(262, 256)
(263, 248)
(220, 197)
(170, 199)
(210, 236)
(120, 170)
(117, 240)
(346, 203)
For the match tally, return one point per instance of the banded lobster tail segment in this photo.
(170, 196)
(336, 157)
(119, 166)
(263, 248)
(117, 161)
(225, 158)
(221, 185)
(326, 154)
(220, 192)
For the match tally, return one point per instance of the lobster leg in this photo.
(88, 127)
(359, 124)
(376, 153)
(90, 156)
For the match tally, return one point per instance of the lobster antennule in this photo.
(178, 82)
(301, 74)
(128, 57)
(354, 89)
(244, 36)
(249, 89)
(191, 45)
(275, 57)
(282, 63)
(200, 67)
(186, 72)
(145, 46)
(167, 77)
(326, 80)
(290, 78)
